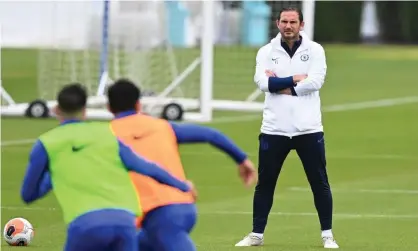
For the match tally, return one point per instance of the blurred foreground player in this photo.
(169, 215)
(88, 169)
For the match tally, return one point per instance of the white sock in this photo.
(257, 235)
(326, 233)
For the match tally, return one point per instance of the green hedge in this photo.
(337, 21)
(340, 21)
(397, 21)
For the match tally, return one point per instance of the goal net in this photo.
(188, 53)
(101, 41)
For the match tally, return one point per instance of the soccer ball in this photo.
(18, 232)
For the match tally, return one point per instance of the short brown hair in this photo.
(286, 9)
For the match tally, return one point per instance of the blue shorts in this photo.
(167, 228)
(103, 230)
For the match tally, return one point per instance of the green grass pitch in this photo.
(372, 158)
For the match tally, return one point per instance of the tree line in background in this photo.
(339, 22)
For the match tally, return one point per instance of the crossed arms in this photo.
(297, 85)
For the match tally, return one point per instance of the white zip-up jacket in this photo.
(285, 114)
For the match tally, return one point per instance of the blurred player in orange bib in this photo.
(169, 215)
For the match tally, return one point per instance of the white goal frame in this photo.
(206, 104)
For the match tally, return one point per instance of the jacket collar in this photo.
(276, 42)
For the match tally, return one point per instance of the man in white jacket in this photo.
(291, 70)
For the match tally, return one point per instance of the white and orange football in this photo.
(18, 232)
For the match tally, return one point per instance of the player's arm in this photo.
(134, 162)
(316, 73)
(37, 181)
(46, 184)
(192, 133)
(265, 79)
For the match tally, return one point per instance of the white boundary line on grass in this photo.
(332, 156)
(380, 191)
(28, 208)
(332, 108)
(229, 213)
(337, 215)
(232, 119)
(17, 142)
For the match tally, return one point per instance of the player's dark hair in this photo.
(72, 98)
(286, 9)
(123, 96)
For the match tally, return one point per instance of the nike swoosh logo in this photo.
(137, 137)
(141, 136)
(77, 148)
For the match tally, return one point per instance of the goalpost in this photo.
(96, 42)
